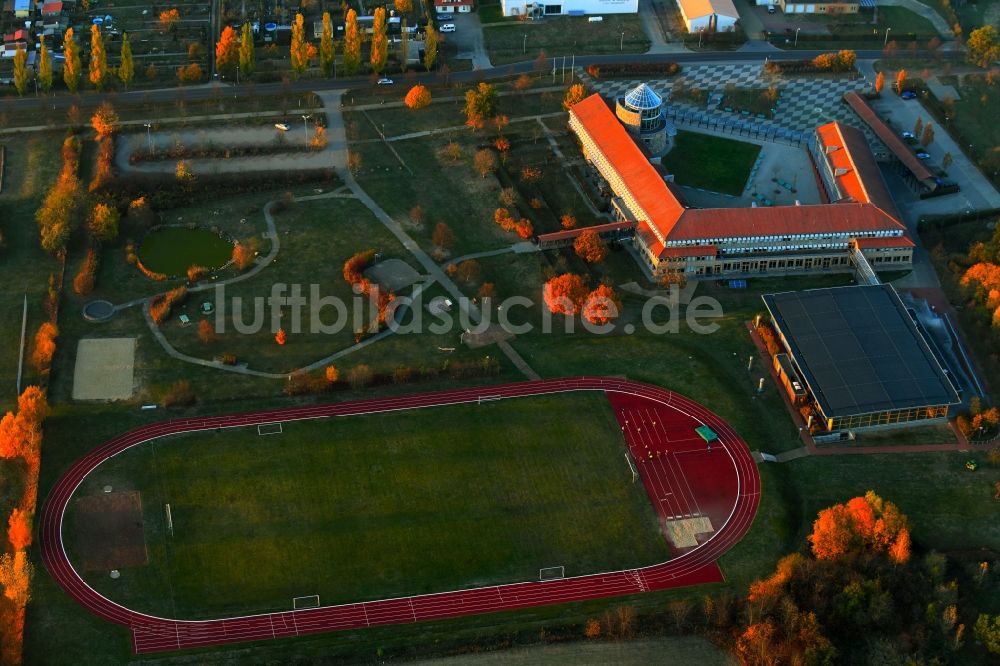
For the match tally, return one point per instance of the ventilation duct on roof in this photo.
(840, 171)
(830, 149)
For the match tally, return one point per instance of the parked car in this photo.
(385, 82)
(447, 27)
(921, 155)
(909, 137)
(444, 17)
(771, 9)
(909, 94)
(281, 126)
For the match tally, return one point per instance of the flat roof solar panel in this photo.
(858, 350)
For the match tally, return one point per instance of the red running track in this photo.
(692, 566)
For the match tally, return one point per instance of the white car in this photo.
(384, 82)
(281, 126)
(447, 27)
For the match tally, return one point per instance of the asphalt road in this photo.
(208, 91)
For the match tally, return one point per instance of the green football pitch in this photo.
(369, 507)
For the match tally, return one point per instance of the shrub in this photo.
(632, 69)
(85, 278)
(195, 273)
(302, 382)
(192, 73)
(161, 304)
(418, 97)
(180, 394)
(45, 347)
(103, 173)
(360, 376)
(244, 254)
(206, 332)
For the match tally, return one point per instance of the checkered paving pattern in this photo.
(804, 102)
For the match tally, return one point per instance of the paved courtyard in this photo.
(805, 102)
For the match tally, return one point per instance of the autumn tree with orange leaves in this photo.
(565, 294)
(590, 247)
(20, 437)
(227, 51)
(602, 305)
(19, 529)
(862, 524)
(574, 95)
(418, 97)
(45, 347)
(859, 597)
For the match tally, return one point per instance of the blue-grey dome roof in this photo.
(642, 98)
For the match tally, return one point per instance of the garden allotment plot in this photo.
(368, 507)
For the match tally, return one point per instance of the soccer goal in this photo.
(311, 601)
(552, 573)
(269, 429)
(487, 398)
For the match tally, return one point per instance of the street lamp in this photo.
(701, 33)
(886, 42)
(237, 75)
(305, 128)
(149, 137)
(524, 44)
(621, 46)
(797, 36)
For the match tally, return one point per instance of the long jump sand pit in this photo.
(104, 369)
(683, 533)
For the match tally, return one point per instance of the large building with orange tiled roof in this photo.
(704, 242)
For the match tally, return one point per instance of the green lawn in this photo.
(377, 506)
(904, 24)
(949, 507)
(711, 162)
(565, 36)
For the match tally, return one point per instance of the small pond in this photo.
(172, 250)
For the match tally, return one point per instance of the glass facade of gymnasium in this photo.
(887, 417)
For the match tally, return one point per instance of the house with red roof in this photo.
(708, 242)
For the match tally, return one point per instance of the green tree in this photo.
(103, 222)
(380, 41)
(983, 46)
(248, 59)
(430, 47)
(20, 69)
(352, 43)
(987, 632)
(126, 68)
(98, 58)
(44, 67)
(480, 105)
(73, 66)
(300, 47)
(326, 47)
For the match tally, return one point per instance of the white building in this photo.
(568, 7)
(708, 15)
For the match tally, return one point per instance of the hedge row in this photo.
(613, 69)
